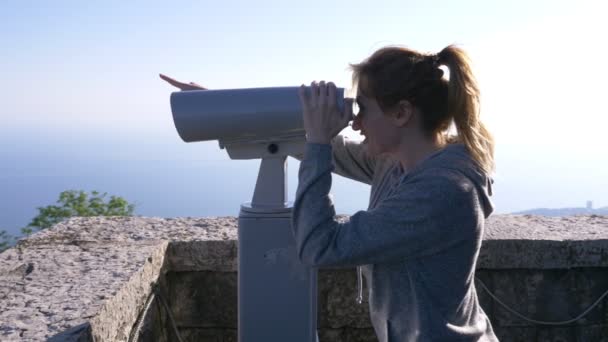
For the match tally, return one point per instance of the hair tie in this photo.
(435, 60)
(436, 71)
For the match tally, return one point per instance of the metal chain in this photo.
(164, 302)
(140, 319)
(155, 293)
(537, 321)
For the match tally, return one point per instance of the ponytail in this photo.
(463, 107)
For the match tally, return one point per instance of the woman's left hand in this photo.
(322, 118)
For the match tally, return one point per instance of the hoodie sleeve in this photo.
(424, 215)
(350, 159)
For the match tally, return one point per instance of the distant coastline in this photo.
(564, 211)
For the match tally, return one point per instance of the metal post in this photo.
(277, 295)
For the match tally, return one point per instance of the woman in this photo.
(418, 242)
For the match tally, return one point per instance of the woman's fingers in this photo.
(314, 92)
(181, 85)
(331, 93)
(303, 97)
(321, 115)
(322, 94)
(170, 80)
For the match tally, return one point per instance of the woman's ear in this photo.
(403, 114)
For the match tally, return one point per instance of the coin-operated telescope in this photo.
(277, 295)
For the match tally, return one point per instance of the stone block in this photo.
(556, 334)
(347, 335)
(331, 335)
(79, 333)
(218, 256)
(515, 334)
(519, 290)
(485, 300)
(595, 333)
(337, 291)
(549, 295)
(208, 335)
(360, 335)
(203, 299)
(98, 271)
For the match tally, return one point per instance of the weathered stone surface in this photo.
(597, 333)
(485, 300)
(539, 242)
(337, 293)
(203, 298)
(79, 333)
(68, 285)
(209, 335)
(516, 334)
(347, 335)
(545, 295)
(115, 320)
(358, 335)
(556, 334)
(203, 255)
(97, 272)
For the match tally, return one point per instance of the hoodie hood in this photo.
(456, 157)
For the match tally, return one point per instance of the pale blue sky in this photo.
(77, 74)
(77, 63)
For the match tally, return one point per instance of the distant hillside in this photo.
(564, 211)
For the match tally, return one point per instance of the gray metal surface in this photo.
(271, 186)
(228, 114)
(277, 295)
(262, 149)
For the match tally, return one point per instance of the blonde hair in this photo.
(393, 73)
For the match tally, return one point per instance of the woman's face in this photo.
(381, 135)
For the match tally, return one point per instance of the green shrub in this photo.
(78, 203)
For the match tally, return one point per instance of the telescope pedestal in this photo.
(277, 295)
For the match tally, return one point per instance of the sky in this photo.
(80, 79)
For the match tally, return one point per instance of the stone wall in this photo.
(91, 279)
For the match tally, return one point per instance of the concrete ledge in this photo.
(539, 242)
(95, 271)
(93, 275)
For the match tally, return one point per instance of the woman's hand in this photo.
(322, 118)
(181, 85)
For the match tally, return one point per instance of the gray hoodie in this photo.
(417, 244)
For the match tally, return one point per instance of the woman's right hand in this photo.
(181, 85)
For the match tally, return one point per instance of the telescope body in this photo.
(240, 115)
